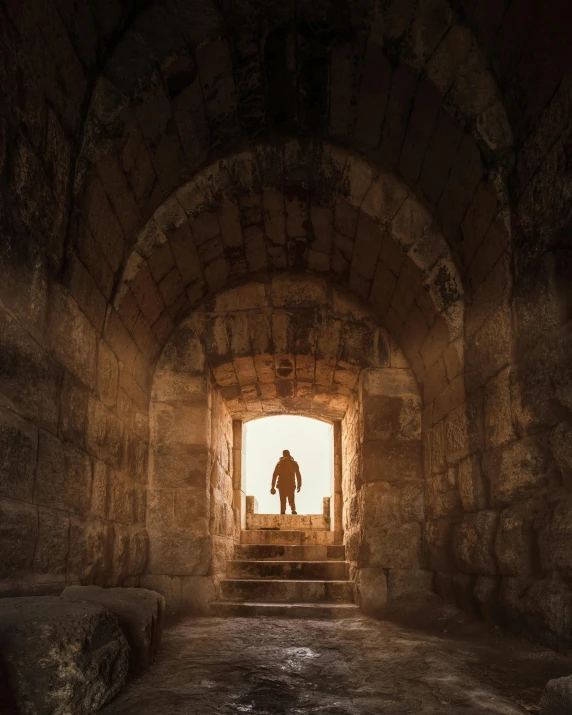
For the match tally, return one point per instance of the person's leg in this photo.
(291, 497)
(282, 493)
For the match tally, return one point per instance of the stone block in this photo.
(546, 609)
(176, 554)
(555, 538)
(18, 536)
(122, 499)
(515, 471)
(391, 546)
(184, 423)
(64, 475)
(379, 503)
(90, 551)
(437, 448)
(472, 485)
(51, 554)
(29, 380)
(139, 613)
(514, 540)
(557, 697)
(197, 593)
(371, 589)
(442, 494)
(107, 375)
(561, 443)
(104, 435)
(489, 350)
(18, 447)
(178, 466)
(83, 654)
(73, 410)
(72, 338)
(474, 543)
(168, 586)
(498, 414)
(438, 545)
(102, 475)
(486, 593)
(411, 501)
(391, 460)
(401, 582)
(387, 417)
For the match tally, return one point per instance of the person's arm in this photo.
(274, 477)
(298, 477)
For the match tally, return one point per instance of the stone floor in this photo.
(359, 666)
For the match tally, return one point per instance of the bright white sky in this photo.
(311, 444)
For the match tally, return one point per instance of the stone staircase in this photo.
(288, 569)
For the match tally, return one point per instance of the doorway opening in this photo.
(311, 445)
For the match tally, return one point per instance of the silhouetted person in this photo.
(286, 477)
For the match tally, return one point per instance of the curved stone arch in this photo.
(284, 345)
(194, 500)
(336, 176)
(442, 49)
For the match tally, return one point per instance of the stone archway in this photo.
(283, 346)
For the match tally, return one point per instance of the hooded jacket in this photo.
(286, 474)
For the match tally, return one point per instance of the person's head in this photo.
(286, 453)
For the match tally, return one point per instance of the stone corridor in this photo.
(357, 666)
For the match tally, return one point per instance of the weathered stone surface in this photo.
(64, 475)
(555, 537)
(473, 543)
(557, 697)
(472, 484)
(18, 446)
(515, 471)
(391, 546)
(546, 610)
(391, 461)
(18, 535)
(50, 557)
(401, 582)
(371, 589)
(514, 540)
(73, 339)
(90, 554)
(104, 433)
(197, 593)
(139, 613)
(179, 554)
(29, 379)
(438, 545)
(82, 651)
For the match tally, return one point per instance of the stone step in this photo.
(280, 552)
(288, 522)
(289, 570)
(279, 536)
(284, 610)
(284, 591)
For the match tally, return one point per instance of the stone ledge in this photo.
(139, 612)
(59, 655)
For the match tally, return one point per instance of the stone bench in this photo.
(59, 656)
(139, 612)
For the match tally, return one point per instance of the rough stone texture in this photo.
(82, 651)
(139, 613)
(557, 697)
(320, 664)
(137, 183)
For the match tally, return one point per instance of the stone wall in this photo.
(190, 517)
(384, 488)
(74, 445)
